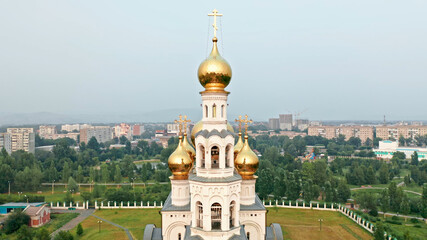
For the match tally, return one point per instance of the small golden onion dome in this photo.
(199, 126)
(187, 146)
(214, 73)
(180, 162)
(239, 145)
(246, 162)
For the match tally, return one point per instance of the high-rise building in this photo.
(395, 131)
(137, 129)
(46, 130)
(6, 142)
(74, 127)
(101, 133)
(123, 129)
(215, 198)
(273, 124)
(22, 139)
(302, 124)
(329, 132)
(285, 121)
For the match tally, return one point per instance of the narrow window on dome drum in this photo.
(206, 111)
(214, 111)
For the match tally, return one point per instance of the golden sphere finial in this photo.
(214, 72)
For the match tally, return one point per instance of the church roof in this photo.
(235, 177)
(256, 206)
(169, 207)
(207, 134)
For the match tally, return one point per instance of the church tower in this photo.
(213, 184)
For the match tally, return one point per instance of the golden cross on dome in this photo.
(185, 124)
(215, 14)
(240, 120)
(180, 121)
(246, 121)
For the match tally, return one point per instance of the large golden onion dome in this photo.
(180, 162)
(187, 146)
(199, 126)
(214, 73)
(239, 145)
(246, 162)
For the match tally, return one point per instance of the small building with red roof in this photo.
(38, 215)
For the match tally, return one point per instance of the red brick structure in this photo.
(38, 215)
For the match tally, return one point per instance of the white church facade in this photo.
(213, 183)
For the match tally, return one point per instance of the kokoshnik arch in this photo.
(213, 182)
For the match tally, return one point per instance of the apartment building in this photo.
(273, 123)
(329, 132)
(74, 127)
(22, 139)
(5, 142)
(101, 133)
(395, 131)
(285, 121)
(45, 131)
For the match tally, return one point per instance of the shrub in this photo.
(79, 230)
(63, 235)
(414, 220)
(15, 221)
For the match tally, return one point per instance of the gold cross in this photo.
(215, 14)
(246, 121)
(240, 120)
(185, 124)
(179, 122)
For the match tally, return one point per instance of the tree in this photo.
(379, 232)
(80, 174)
(66, 172)
(105, 173)
(15, 221)
(24, 233)
(370, 175)
(343, 192)
(355, 141)
(414, 158)
(402, 140)
(63, 235)
(42, 234)
(79, 230)
(72, 185)
(93, 144)
(117, 175)
(383, 174)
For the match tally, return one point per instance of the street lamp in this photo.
(19, 193)
(90, 186)
(99, 224)
(133, 182)
(9, 187)
(320, 221)
(53, 186)
(26, 197)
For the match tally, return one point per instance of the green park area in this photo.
(296, 224)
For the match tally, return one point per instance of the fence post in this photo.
(96, 204)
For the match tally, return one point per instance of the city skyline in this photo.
(341, 61)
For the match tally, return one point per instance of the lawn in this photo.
(91, 231)
(134, 220)
(417, 230)
(304, 224)
(296, 223)
(58, 220)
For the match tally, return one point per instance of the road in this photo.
(75, 221)
(400, 215)
(401, 184)
(106, 184)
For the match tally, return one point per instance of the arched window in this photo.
(199, 214)
(222, 111)
(206, 111)
(202, 156)
(214, 157)
(179, 236)
(216, 216)
(228, 155)
(232, 214)
(248, 235)
(214, 111)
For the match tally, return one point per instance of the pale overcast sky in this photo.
(352, 59)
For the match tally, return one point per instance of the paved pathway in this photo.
(404, 216)
(71, 224)
(125, 229)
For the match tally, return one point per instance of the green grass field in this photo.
(296, 224)
(91, 231)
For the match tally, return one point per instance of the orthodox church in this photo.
(213, 183)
